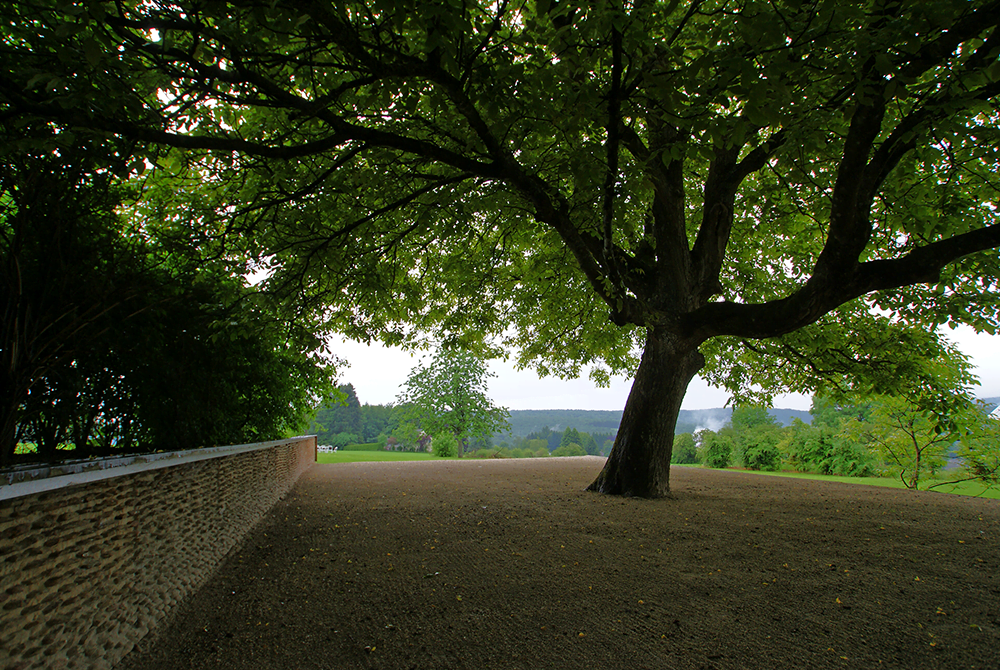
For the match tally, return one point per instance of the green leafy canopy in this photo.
(523, 170)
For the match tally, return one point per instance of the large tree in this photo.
(769, 192)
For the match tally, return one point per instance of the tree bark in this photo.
(639, 464)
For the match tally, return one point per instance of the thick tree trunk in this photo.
(639, 464)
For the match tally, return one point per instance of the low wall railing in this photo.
(96, 554)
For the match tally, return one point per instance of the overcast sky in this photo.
(377, 373)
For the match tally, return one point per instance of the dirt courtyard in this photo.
(511, 564)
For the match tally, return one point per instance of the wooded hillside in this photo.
(525, 421)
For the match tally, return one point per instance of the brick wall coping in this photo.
(25, 480)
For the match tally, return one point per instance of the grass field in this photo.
(358, 456)
(964, 488)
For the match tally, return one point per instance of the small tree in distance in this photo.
(911, 442)
(571, 436)
(915, 430)
(715, 450)
(756, 436)
(407, 436)
(685, 449)
(449, 395)
(571, 449)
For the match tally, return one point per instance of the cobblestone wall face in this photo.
(86, 571)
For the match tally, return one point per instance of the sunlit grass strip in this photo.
(963, 488)
(361, 456)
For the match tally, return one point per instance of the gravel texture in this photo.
(511, 564)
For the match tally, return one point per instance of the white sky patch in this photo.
(983, 351)
(377, 373)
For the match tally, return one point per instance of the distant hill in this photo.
(990, 403)
(525, 421)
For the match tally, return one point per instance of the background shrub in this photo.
(716, 450)
(685, 449)
(445, 445)
(572, 449)
(762, 456)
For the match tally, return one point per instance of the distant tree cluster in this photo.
(546, 442)
(882, 436)
(343, 421)
(339, 420)
(443, 406)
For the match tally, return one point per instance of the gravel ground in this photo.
(511, 564)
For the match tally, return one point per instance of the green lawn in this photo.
(964, 488)
(357, 456)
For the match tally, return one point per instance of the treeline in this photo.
(878, 436)
(569, 442)
(343, 420)
(525, 421)
(752, 439)
(884, 436)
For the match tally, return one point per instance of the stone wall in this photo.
(93, 560)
